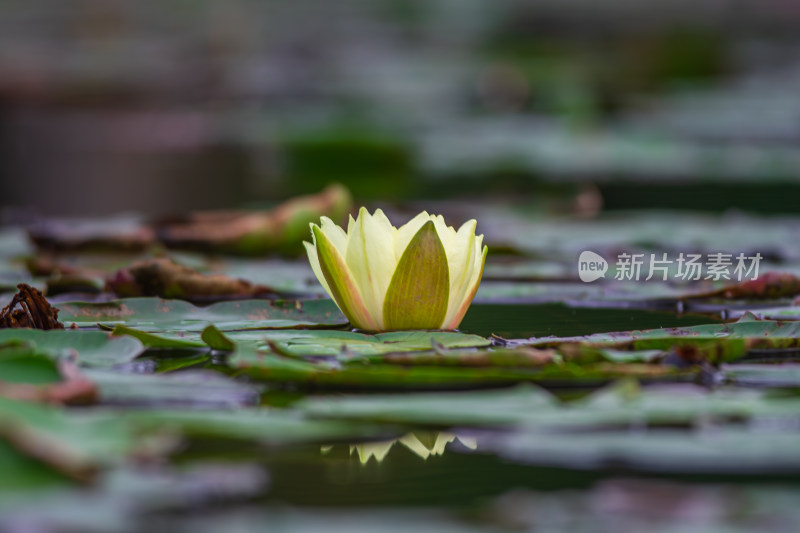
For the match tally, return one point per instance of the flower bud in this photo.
(422, 275)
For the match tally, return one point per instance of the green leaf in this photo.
(152, 340)
(474, 408)
(217, 340)
(156, 315)
(22, 472)
(260, 424)
(763, 375)
(189, 388)
(418, 294)
(791, 312)
(22, 363)
(620, 406)
(332, 342)
(736, 451)
(94, 348)
(74, 443)
(712, 342)
(344, 288)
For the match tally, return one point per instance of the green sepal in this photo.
(418, 293)
(343, 288)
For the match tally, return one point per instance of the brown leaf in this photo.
(256, 232)
(29, 309)
(164, 278)
(769, 285)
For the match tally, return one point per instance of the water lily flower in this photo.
(422, 275)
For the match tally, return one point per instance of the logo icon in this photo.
(591, 266)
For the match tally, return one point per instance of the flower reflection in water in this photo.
(423, 444)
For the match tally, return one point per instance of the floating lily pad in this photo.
(93, 348)
(23, 473)
(329, 342)
(73, 444)
(713, 342)
(493, 408)
(30, 375)
(155, 314)
(259, 424)
(396, 360)
(623, 405)
(728, 451)
(789, 312)
(21, 363)
(189, 389)
(763, 375)
(167, 340)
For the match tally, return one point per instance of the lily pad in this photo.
(763, 375)
(789, 312)
(21, 363)
(728, 451)
(164, 340)
(623, 405)
(23, 473)
(492, 408)
(713, 342)
(259, 424)
(331, 342)
(156, 315)
(73, 444)
(93, 348)
(191, 389)
(30, 375)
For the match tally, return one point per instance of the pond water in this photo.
(542, 320)
(413, 468)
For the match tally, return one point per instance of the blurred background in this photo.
(163, 107)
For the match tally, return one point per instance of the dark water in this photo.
(541, 320)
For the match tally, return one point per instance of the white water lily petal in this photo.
(335, 234)
(458, 313)
(313, 259)
(344, 288)
(371, 260)
(461, 257)
(446, 233)
(407, 231)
